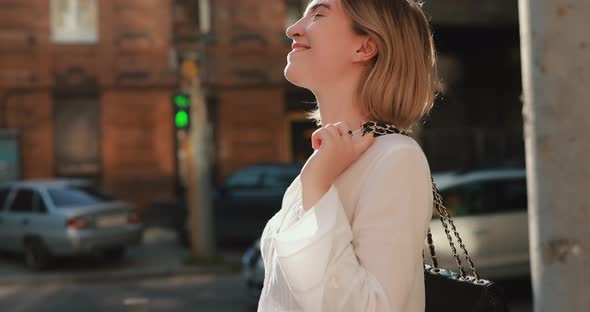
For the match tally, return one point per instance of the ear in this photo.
(367, 50)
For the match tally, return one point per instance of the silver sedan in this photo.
(43, 219)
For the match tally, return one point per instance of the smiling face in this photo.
(323, 45)
(376, 57)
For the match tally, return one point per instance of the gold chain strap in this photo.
(444, 217)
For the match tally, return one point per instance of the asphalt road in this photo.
(217, 293)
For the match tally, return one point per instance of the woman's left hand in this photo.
(335, 150)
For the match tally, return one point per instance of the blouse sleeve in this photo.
(330, 265)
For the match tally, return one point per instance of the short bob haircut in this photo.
(400, 84)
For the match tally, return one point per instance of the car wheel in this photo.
(37, 255)
(115, 253)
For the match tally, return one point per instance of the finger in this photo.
(318, 137)
(332, 131)
(343, 130)
(342, 127)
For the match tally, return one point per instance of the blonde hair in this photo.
(399, 85)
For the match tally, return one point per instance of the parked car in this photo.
(247, 199)
(44, 219)
(489, 209)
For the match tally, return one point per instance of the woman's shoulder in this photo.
(387, 146)
(395, 150)
(387, 153)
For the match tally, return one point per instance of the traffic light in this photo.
(182, 110)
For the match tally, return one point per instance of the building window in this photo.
(74, 21)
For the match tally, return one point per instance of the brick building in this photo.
(245, 60)
(87, 83)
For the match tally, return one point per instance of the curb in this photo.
(62, 278)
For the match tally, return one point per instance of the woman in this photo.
(350, 233)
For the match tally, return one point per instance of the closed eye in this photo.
(316, 15)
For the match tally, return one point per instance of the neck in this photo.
(338, 103)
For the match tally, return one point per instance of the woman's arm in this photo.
(371, 265)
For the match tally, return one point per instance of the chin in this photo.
(294, 76)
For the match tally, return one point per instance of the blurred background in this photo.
(145, 143)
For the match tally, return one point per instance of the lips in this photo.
(298, 46)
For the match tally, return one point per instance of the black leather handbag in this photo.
(450, 291)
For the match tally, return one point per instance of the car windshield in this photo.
(76, 196)
(246, 178)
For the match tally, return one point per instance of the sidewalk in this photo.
(159, 255)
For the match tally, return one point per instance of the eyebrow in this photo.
(315, 7)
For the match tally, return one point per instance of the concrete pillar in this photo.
(556, 79)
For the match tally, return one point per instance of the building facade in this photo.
(87, 84)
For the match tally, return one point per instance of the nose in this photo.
(295, 29)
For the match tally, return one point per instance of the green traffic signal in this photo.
(182, 100)
(182, 107)
(181, 119)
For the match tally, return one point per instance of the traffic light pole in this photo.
(194, 144)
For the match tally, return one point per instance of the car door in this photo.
(275, 181)
(506, 223)
(40, 221)
(18, 217)
(4, 197)
(235, 209)
(498, 226)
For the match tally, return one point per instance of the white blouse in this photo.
(359, 248)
